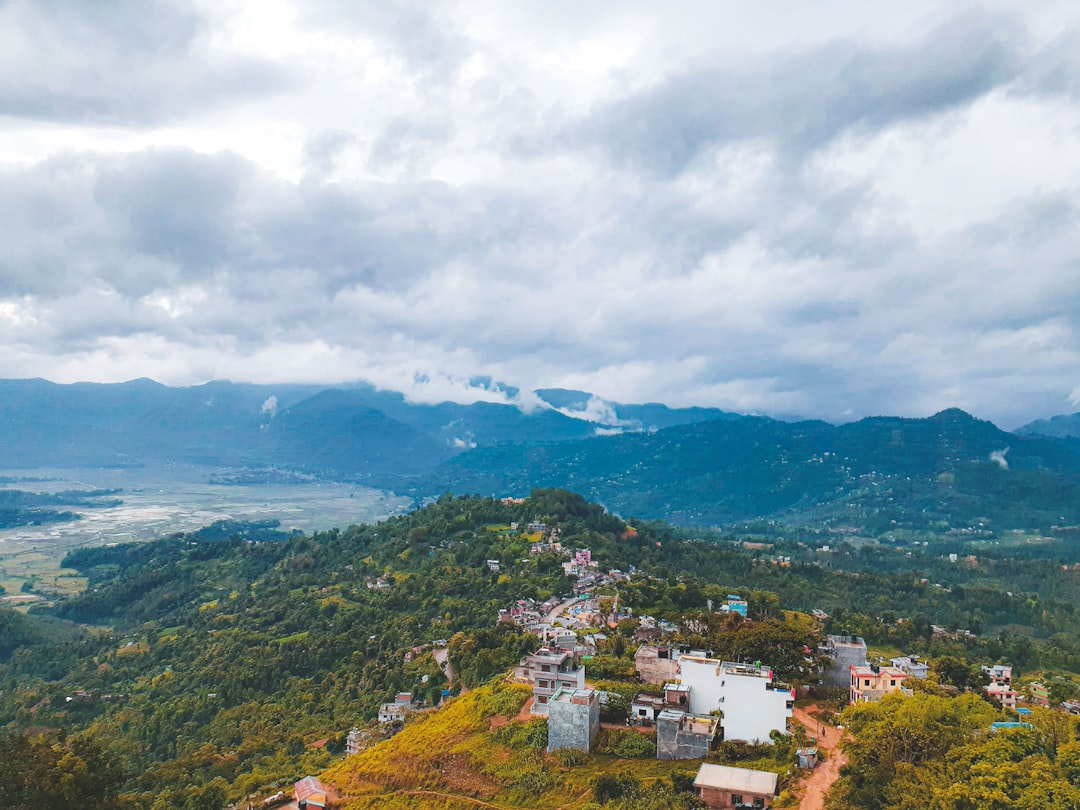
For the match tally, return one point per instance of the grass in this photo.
(294, 637)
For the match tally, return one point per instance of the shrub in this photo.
(610, 788)
(626, 744)
(522, 736)
(571, 756)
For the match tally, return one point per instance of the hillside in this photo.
(476, 750)
(226, 662)
(917, 472)
(1065, 426)
(691, 466)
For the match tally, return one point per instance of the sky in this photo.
(830, 210)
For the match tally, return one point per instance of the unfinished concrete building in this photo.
(573, 719)
(684, 736)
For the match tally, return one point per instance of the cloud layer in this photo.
(829, 214)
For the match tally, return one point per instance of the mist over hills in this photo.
(687, 465)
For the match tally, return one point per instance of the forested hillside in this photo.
(229, 658)
(878, 473)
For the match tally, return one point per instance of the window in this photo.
(736, 798)
(892, 682)
(866, 682)
(545, 668)
(759, 802)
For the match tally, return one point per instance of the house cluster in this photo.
(527, 613)
(580, 564)
(849, 669)
(650, 628)
(704, 700)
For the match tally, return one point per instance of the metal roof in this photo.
(724, 777)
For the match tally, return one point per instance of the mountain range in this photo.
(950, 471)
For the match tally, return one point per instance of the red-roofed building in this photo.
(310, 792)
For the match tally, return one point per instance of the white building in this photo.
(753, 705)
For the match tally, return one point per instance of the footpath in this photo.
(817, 784)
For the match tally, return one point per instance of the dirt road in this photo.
(817, 784)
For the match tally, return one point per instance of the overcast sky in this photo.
(829, 209)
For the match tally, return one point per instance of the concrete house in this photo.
(1000, 686)
(573, 719)
(549, 671)
(844, 652)
(685, 736)
(656, 663)
(753, 706)
(872, 683)
(354, 741)
(721, 786)
(911, 665)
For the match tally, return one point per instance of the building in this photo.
(844, 652)
(549, 671)
(807, 758)
(395, 712)
(872, 683)
(736, 604)
(1005, 695)
(911, 665)
(999, 674)
(573, 719)
(353, 742)
(310, 792)
(685, 736)
(392, 712)
(646, 706)
(1040, 696)
(656, 663)
(752, 705)
(721, 786)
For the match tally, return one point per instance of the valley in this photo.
(156, 501)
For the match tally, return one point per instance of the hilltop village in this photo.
(687, 702)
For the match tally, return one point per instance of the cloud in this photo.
(801, 101)
(121, 62)
(998, 457)
(877, 218)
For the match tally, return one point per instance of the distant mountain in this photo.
(92, 424)
(354, 430)
(687, 465)
(911, 470)
(649, 416)
(1057, 426)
